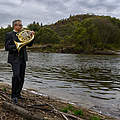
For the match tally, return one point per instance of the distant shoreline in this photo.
(67, 49)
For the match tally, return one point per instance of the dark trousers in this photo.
(18, 69)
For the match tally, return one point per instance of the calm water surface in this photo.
(89, 80)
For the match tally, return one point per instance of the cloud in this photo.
(49, 11)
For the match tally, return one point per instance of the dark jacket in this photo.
(11, 47)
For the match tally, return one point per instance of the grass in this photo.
(4, 89)
(70, 108)
(65, 110)
(78, 112)
(94, 118)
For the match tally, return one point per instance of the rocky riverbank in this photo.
(36, 106)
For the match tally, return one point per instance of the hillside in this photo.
(67, 26)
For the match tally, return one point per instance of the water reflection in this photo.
(88, 80)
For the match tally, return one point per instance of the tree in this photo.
(47, 36)
(35, 26)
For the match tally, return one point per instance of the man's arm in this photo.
(30, 44)
(9, 43)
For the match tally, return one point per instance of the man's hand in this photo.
(32, 33)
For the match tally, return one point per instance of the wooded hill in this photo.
(82, 33)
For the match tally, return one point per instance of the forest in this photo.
(82, 33)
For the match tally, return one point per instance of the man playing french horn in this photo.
(17, 56)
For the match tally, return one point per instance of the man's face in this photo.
(18, 26)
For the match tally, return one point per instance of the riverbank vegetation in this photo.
(83, 33)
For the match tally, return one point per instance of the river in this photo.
(92, 81)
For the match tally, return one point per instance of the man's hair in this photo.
(14, 22)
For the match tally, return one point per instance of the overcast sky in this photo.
(49, 11)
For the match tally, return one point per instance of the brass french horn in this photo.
(25, 37)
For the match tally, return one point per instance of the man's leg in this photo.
(22, 75)
(15, 78)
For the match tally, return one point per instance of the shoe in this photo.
(20, 97)
(15, 100)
